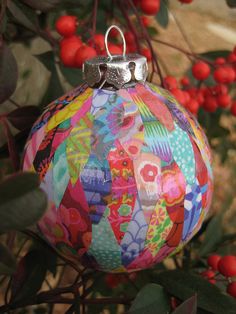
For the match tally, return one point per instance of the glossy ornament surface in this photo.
(127, 173)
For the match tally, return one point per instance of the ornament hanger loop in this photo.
(122, 36)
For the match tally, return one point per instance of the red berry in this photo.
(209, 275)
(192, 92)
(146, 52)
(223, 100)
(234, 50)
(111, 280)
(231, 57)
(84, 53)
(98, 40)
(207, 91)
(179, 95)
(210, 104)
(73, 39)
(219, 61)
(66, 25)
(114, 33)
(68, 52)
(200, 97)
(170, 82)
(220, 89)
(193, 106)
(174, 303)
(136, 2)
(231, 289)
(201, 70)
(114, 50)
(129, 37)
(131, 48)
(213, 261)
(150, 7)
(224, 75)
(233, 108)
(145, 20)
(186, 96)
(185, 81)
(186, 1)
(227, 266)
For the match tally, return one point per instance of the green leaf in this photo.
(231, 3)
(183, 285)
(189, 306)
(152, 31)
(212, 55)
(213, 236)
(43, 6)
(21, 17)
(162, 16)
(47, 59)
(149, 299)
(8, 72)
(54, 89)
(50, 255)
(73, 76)
(29, 276)
(7, 261)
(22, 202)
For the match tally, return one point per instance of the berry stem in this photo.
(183, 33)
(148, 40)
(187, 53)
(94, 20)
(3, 9)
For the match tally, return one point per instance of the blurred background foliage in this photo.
(31, 76)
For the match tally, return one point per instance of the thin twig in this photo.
(182, 31)
(14, 103)
(3, 9)
(148, 40)
(187, 53)
(94, 20)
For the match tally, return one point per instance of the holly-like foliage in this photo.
(31, 272)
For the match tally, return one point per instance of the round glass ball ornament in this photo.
(127, 170)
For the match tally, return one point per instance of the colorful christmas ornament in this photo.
(127, 170)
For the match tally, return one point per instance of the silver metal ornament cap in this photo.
(115, 71)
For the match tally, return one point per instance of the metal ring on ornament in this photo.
(122, 36)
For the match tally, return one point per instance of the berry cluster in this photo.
(114, 280)
(222, 71)
(225, 266)
(73, 52)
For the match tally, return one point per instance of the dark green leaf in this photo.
(231, 3)
(183, 285)
(22, 202)
(11, 144)
(149, 299)
(47, 59)
(7, 261)
(43, 6)
(187, 307)
(49, 254)
(213, 236)
(3, 24)
(23, 117)
(8, 72)
(20, 16)
(73, 76)
(54, 89)
(212, 55)
(162, 16)
(152, 31)
(29, 276)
